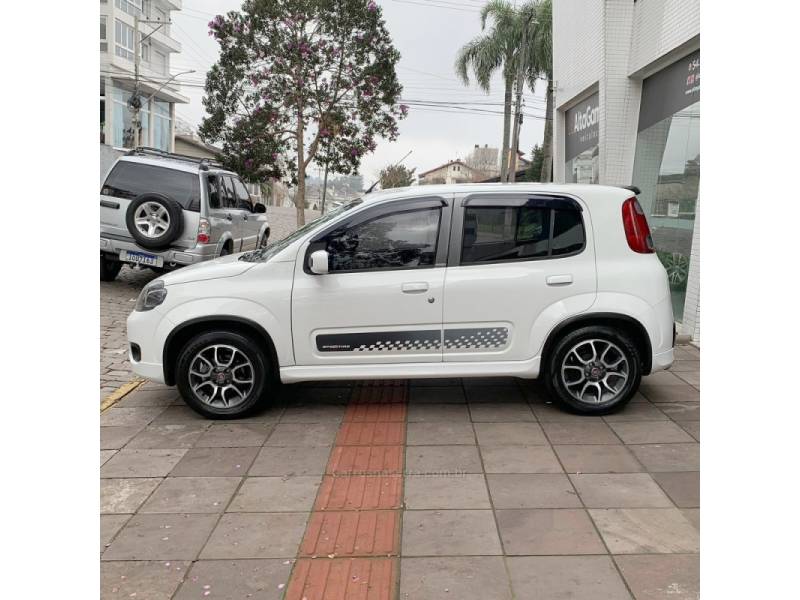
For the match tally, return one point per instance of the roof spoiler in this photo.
(632, 188)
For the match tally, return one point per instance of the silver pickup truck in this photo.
(164, 211)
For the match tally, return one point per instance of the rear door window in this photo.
(242, 195)
(129, 179)
(214, 200)
(230, 193)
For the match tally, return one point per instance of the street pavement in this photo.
(414, 490)
(118, 297)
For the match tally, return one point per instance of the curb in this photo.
(120, 393)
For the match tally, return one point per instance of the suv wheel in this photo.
(223, 375)
(154, 220)
(109, 269)
(594, 370)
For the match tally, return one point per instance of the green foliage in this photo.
(301, 80)
(533, 172)
(396, 176)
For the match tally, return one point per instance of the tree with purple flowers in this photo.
(300, 81)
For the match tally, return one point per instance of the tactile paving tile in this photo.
(360, 492)
(343, 579)
(375, 413)
(371, 434)
(352, 533)
(365, 460)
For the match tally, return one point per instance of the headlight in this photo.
(152, 295)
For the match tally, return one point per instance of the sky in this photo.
(428, 34)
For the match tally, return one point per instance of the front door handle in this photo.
(559, 280)
(416, 287)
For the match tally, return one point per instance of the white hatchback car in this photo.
(526, 280)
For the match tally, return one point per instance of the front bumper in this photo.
(173, 257)
(148, 330)
(663, 361)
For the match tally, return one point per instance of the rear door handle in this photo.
(559, 280)
(416, 287)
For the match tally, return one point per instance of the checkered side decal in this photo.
(475, 339)
(381, 341)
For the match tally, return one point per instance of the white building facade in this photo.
(627, 112)
(159, 95)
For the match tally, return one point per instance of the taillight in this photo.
(636, 228)
(203, 230)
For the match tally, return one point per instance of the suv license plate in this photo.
(150, 260)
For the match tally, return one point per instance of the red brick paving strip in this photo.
(352, 540)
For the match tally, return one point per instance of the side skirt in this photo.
(527, 369)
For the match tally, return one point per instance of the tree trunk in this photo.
(300, 192)
(506, 127)
(547, 145)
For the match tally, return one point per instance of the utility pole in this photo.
(135, 101)
(512, 166)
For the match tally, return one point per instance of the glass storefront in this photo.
(162, 125)
(581, 142)
(667, 166)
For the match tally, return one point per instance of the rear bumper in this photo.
(173, 257)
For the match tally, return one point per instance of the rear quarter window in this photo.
(129, 180)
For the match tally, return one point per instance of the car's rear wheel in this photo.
(594, 370)
(224, 375)
(109, 269)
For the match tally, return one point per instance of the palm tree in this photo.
(499, 48)
(542, 67)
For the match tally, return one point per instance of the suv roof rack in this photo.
(204, 163)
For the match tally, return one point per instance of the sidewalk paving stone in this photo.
(682, 488)
(125, 495)
(443, 459)
(290, 461)
(597, 459)
(583, 432)
(619, 490)
(142, 463)
(433, 413)
(191, 495)
(493, 392)
(153, 580)
(215, 462)
(354, 433)
(313, 413)
(500, 412)
(256, 535)
(434, 434)
(360, 492)
(510, 434)
(424, 394)
(668, 457)
(520, 459)
(161, 537)
(691, 427)
(457, 577)
(115, 437)
(637, 411)
(651, 432)
(681, 411)
(541, 490)
(448, 491)
(303, 434)
(450, 533)
(646, 530)
(276, 494)
(105, 455)
(172, 435)
(662, 576)
(109, 527)
(565, 577)
(130, 417)
(244, 578)
(345, 578)
(548, 531)
(234, 435)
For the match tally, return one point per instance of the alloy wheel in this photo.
(151, 219)
(221, 376)
(595, 371)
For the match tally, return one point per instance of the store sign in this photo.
(670, 90)
(582, 126)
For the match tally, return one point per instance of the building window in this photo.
(103, 34)
(159, 62)
(123, 46)
(581, 142)
(122, 128)
(132, 7)
(162, 126)
(667, 166)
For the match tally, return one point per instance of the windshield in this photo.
(264, 254)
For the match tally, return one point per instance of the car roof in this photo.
(169, 162)
(583, 191)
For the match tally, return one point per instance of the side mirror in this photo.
(259, 208)
(318, 262)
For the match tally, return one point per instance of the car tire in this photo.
(170, 216)
(109, 269)
(594, 370)
(216, 399)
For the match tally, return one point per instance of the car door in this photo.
(381, 301)
(513, 258)
(251, 222)
(219, 217)
(233, 213)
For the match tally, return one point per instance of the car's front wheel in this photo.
(594, 370)
(223, 375)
